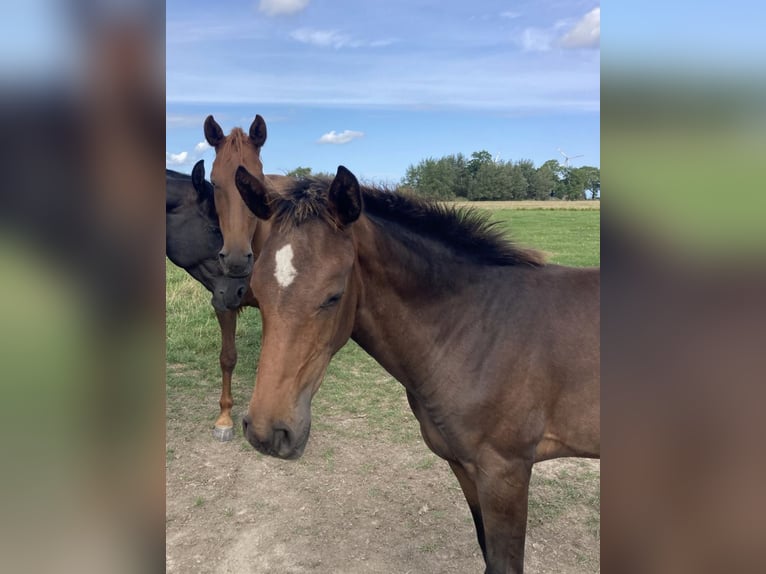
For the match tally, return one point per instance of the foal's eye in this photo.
(330, 301)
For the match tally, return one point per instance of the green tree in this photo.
(478, 159)
(526, 169)
(490, 182)
(573, 184)
(458, 165)
(432, 178)
(592, 177)
(299, 172)
(546, 181)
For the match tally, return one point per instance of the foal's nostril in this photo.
(221, 256)
(241, 292)
(281, 440)
(245, 424)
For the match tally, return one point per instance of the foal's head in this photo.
(237, 222)
(304, 282)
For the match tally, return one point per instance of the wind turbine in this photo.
(567, 157)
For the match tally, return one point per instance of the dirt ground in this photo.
(352, 504)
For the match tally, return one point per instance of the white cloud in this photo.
(176, 158)
(335, 39)
(510, 15)
(536, 40)
(339, 138)
(185, 157)
(277, 7)
(322, 38)
(383, 43)
(586, 33)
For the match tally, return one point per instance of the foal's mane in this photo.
(465, 230)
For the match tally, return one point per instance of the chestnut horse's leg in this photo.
(472, 497)
(224, 426)
(503, 486)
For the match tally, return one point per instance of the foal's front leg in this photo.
(224, 425)
(472, 497)
(503, 485)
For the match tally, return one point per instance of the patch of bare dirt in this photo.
(352, 504)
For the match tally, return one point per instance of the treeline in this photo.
(481, 178)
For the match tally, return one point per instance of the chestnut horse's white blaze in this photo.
(285, 272)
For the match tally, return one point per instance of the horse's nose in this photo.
(236, 264)
(282, 442)
(279, 440)
(241, 292)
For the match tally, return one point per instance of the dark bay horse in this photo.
(498, 351)
(192, 241)
(193, 237)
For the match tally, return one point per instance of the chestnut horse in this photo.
(242, 236)
(498, 351)
(238, 225)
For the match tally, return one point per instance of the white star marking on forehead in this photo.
(285, 272)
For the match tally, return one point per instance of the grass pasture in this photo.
(368, 495)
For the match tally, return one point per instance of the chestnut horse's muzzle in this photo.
(235, 264)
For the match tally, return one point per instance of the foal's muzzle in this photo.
(279, 441)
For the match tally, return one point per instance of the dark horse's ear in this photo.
(345, 196)
(198, 176)
(254, 193)
(213, 132)
(258, 131)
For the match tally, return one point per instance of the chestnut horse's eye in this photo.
(330, 301)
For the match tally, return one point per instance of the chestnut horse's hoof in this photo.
(223, 434)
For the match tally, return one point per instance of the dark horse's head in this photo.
(307, 291)
(193, 238)
(237, 222)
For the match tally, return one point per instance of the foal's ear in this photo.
(254, 193)
(258, 131)
(213, 132)
(345, 196)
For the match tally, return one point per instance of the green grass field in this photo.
(569, 237)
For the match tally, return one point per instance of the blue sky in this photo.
(378, 85)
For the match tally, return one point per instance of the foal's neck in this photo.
(413, 306)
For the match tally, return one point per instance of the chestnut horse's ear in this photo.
(258, 131)
(254, 193)
(345, 196)
(213, 132)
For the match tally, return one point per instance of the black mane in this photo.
(468, 232)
